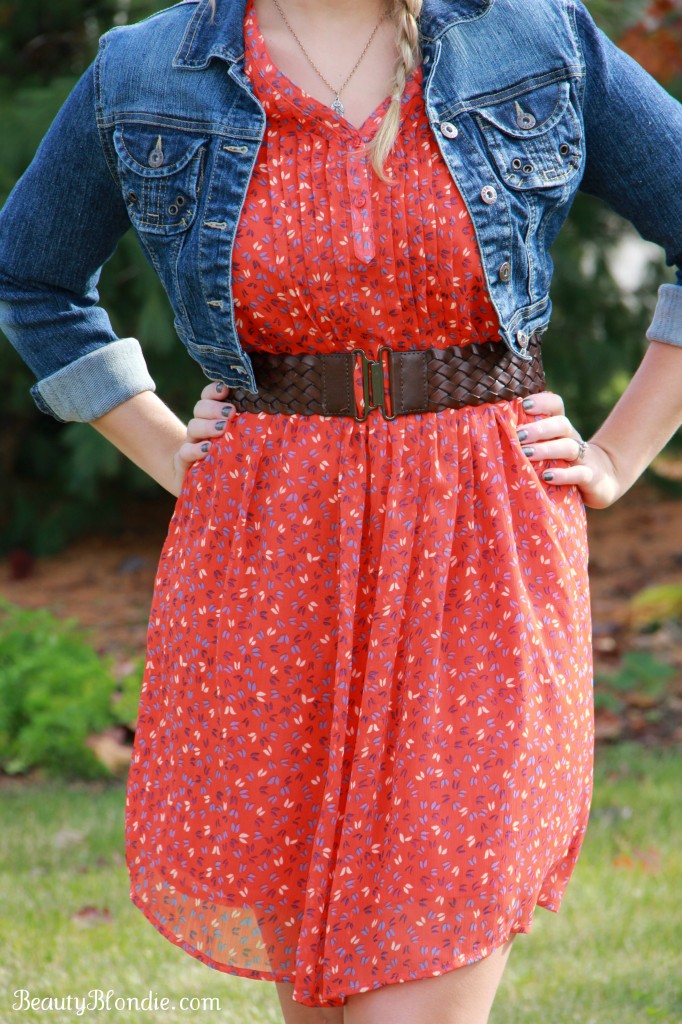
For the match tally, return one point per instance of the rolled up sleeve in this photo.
(61, 223)
(633, 130)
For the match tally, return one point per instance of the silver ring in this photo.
(582, 448)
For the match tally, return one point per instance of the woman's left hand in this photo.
(553, 436)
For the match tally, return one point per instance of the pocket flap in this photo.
(530, 114)
(147, 152)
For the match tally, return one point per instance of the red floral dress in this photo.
(364, 745)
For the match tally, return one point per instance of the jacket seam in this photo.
(99, 113)
(459, 21)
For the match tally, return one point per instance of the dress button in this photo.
(505, 272)
(360, 201)
(449, 130)
(489, 195)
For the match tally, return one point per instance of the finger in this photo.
(565, 448)
(198, 429)
(546, 428)
(561, 476)
(211, 409)
(545, 403)
(188, 453)
(216, 389)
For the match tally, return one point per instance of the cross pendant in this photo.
(338, 107)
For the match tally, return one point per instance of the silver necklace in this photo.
(336, 104)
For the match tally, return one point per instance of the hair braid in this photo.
(405, 16)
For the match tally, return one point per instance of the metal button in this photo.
(449, 130)
(489, 195)
(505, 272)
(526, 121)
(156, 156)
(564, 149)
(173, 210)
(523, 340)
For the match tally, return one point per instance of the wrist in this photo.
(147, 432)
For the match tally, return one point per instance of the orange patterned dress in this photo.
(364, 744)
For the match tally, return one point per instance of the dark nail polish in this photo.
(227, 410)
(529, 451)
(220, 425)
(206, 447)
(548, 475)
(522, 435)
(220, 388)
(528, 403)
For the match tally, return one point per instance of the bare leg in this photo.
(296, 1013)
(462, 996)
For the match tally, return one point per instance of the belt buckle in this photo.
(374, 392)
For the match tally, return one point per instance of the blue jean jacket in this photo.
(528, 102)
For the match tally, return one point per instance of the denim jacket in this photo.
(528, 103)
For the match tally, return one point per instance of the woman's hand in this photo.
(211, 414)
(553, 436)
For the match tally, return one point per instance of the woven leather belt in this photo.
(420, 380)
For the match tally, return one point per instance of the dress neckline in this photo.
(273, 86)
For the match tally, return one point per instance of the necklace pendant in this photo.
(338, 107)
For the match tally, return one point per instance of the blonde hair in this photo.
(405, 14)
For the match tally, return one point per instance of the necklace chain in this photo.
(337, 106)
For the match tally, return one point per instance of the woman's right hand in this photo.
(211, 414)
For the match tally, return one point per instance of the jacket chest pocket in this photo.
(161, 172)
(535, 138)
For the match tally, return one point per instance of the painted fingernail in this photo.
(220, 425)
(522, 435)
(528, 451)
(228, 410)
(220, 388)
(528, 403)
(548, 475)
(206, 447)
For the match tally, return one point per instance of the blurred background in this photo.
(80, 533)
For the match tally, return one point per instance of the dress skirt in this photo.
(365, 736)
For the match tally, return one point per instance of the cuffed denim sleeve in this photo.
(61, 223)
(633, 133)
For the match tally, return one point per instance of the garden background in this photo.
(80, 532)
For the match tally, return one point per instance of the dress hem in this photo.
(520, 927)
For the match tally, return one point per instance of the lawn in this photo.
(613, 954)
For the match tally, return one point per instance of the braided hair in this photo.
(405, 16)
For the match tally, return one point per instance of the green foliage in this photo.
(653, 606)
(55, 691)
(597, 333)
(639, 673)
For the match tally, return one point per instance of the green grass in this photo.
(612, 955)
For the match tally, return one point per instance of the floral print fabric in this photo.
(364, 744)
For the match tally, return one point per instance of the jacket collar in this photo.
(223, 35)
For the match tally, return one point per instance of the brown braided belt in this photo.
(420, 380)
